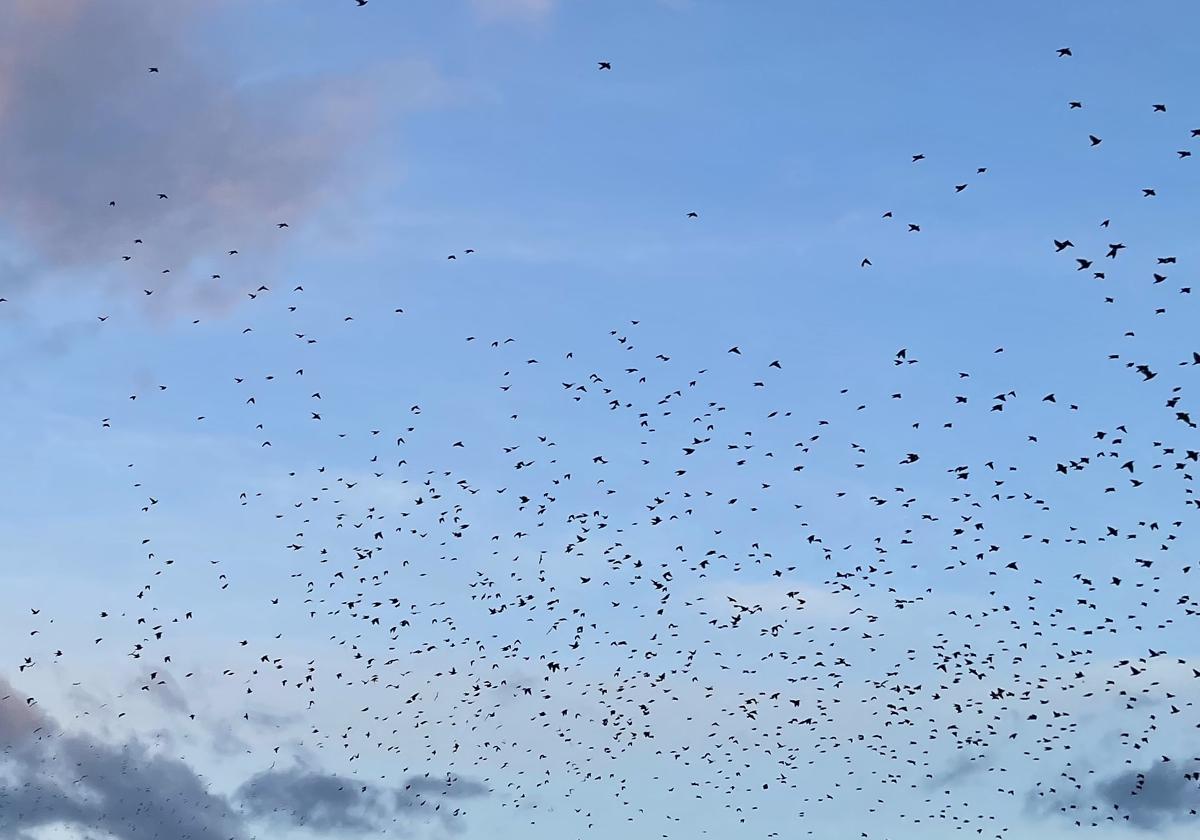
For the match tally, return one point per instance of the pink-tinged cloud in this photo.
(83, 122)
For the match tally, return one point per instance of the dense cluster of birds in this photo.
(804, 604)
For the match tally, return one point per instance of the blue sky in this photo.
(390, 136)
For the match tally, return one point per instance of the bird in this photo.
(604, 65)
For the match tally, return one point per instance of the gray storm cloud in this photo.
(1166, 792)
(50, 777)
(1150, 799)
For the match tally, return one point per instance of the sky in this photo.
(174, 487)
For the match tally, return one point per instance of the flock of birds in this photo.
(657, 591)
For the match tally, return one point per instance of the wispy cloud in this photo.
(322, 802)
(527, 10)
